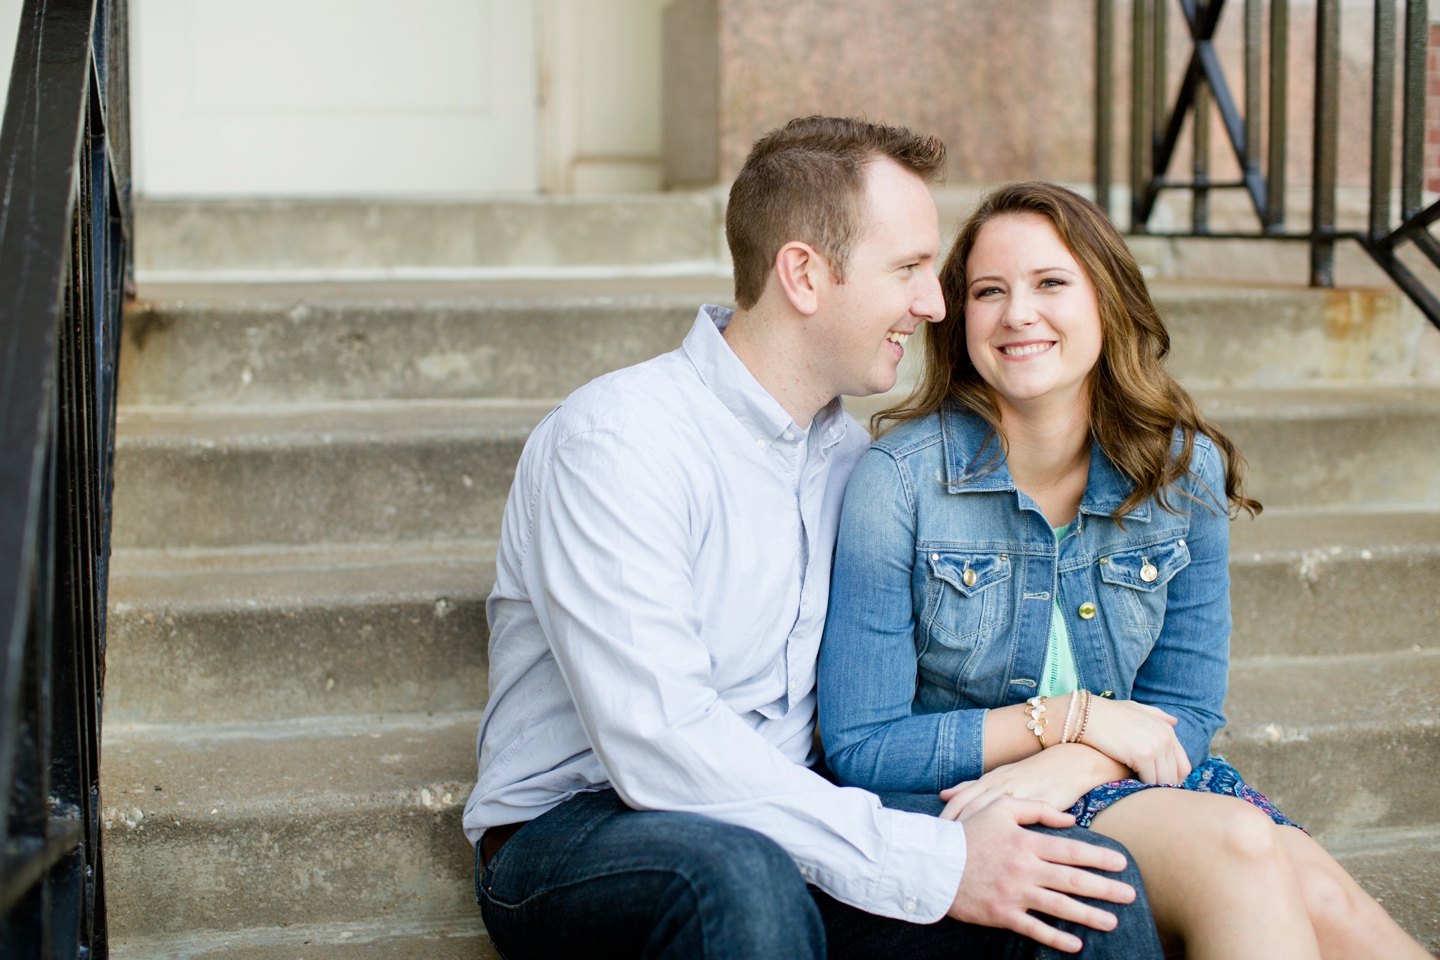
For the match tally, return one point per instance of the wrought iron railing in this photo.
(64, 229)
(1156, 122)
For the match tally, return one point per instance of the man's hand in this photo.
(1058, 776)
(1010, 870)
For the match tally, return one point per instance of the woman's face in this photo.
(1032, 319)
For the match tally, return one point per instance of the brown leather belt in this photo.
(493, 839)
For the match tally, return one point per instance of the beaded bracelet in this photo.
(1070, 716)
(1037, 719)
(1084, 718)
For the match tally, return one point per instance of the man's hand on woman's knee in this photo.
(1010, 870)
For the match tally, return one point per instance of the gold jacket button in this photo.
(1148, 573)
(1087, 611)
(969, 577)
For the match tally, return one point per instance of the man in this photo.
(646, 785)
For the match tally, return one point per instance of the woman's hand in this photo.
(1058, 776)
(1139, 736)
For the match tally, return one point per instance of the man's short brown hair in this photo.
(805, 182)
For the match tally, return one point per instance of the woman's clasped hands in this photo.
(1123, 739)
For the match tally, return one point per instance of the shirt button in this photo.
(908, 906)
(935, 557)
(969, 577)
(1148, 573)
(1087, 611)
(760, 441)
(789, 435)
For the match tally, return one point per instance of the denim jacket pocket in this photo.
(963, 602)
(1143, 575)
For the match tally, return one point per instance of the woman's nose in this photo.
(1019, 311)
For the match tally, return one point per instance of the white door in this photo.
(333, 97)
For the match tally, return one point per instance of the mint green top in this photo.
(1058, 677)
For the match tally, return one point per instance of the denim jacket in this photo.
(943, 587)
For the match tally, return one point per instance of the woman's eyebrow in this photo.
(1037, 270)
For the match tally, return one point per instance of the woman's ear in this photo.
(802, 272)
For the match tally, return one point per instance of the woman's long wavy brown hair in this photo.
(1135, 405)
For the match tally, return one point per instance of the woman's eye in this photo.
(985, 292)
(1052, 282)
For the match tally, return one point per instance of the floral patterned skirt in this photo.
(1212, 776)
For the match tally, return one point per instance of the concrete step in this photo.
(227, 828)
(401, 626)
(354, 473)
(1333, 583)
(461, 939)
(247, 344)
(1339, 743)
(1401, 869)
(415, 470)
(237, 344)
(323, 825)
(417, 239)
(1338, 449)
(644, 233)
(266, 634)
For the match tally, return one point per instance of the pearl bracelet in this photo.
(1070, 716)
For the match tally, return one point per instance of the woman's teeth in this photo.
(1025, 350)
(895, 336)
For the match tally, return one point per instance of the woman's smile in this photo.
(1025, 350)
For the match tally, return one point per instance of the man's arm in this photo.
(609, 573)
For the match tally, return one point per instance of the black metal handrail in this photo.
(64, 256)
(1156, 124)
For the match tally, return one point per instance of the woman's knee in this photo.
(1241, 832)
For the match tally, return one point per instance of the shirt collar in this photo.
(736, 387)
(970, 444)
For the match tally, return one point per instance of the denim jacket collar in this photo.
(970, 443)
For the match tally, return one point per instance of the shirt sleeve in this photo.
(1186, 672)
(868, 663)
(610, 576)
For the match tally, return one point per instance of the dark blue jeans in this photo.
(593, 878)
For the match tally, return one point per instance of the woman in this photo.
(1031, 592)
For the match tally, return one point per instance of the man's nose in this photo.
(930, 304)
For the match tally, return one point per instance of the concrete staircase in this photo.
(322, 406)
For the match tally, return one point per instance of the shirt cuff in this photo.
(924, 859)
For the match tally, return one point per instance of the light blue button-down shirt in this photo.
(661, 587)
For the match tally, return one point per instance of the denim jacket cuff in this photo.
(963, 734)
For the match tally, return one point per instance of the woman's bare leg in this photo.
(1348, 922)
(1218, 875)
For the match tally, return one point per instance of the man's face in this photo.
(890, 285)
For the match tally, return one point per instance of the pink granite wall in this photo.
(1008, 84)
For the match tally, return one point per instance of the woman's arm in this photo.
(868, 663)
(1187, 670)
(1059, 776)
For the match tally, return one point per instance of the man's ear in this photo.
(801, 273)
